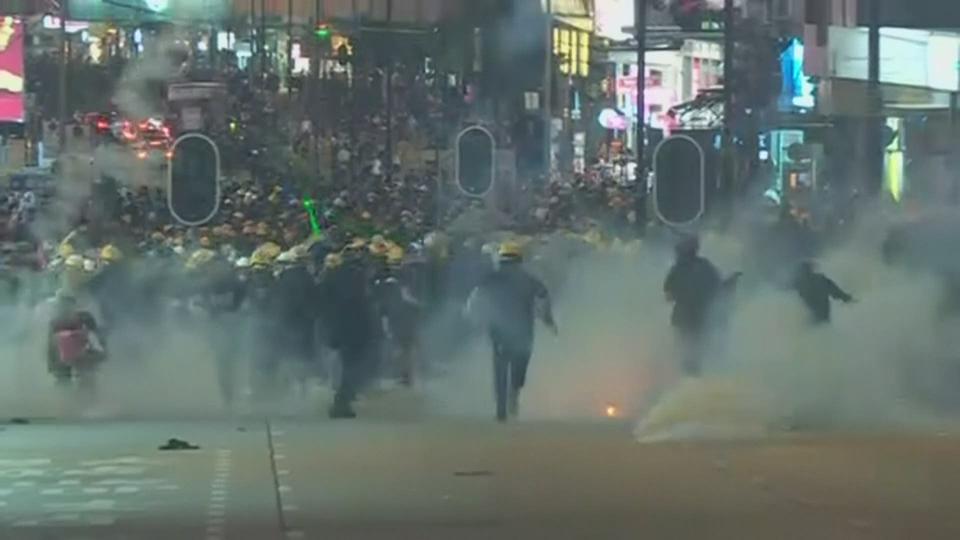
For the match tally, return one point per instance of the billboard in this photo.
(151, 11)
(923, 14)
(11, 69)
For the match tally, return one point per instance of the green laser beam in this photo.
(311, 208)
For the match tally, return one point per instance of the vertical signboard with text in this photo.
(11, 69)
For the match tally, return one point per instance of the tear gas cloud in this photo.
(881, 364)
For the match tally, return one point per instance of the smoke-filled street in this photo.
(444, 478)
(479, 269)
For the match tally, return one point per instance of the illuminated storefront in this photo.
(11, 69)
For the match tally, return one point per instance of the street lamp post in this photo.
(728, 164)
(548, 94)
(640, 34)
(64, 62)
(874, 158)
(389, 99)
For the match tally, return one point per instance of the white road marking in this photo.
(24, 462)
(24, 484)
(283, 472)
(290, 508)
(23, 473)
(101, 521)
(126, 489)
(94, 505)
(285, 489)
(107, 470)
(95, 490)
(295, 535)
(69, 483)
(128, 460)
(6, 492)
(128, 482)
(26, 523)
(52, 491)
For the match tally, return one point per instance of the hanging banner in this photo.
(11, 70)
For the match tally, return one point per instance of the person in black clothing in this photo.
(294, 312)
(349, 317)
(399, 310)
(507, 303)
(221, 295)
(692, 285)
(816, 290)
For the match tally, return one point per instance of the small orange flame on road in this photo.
(612, 411)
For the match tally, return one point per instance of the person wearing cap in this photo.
(506, 303)
(692, 286)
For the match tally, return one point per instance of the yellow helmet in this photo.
(200, 258)
(379, 247)
(74, 261)
(510, 250)
(111, 253)
(395, 255)
(66, 250)
(357, 244)
(333, 260)
(265, 254)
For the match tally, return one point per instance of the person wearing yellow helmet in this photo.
(506, 304)
(265, 255)
(332, 261)
(65, 250)
(400, 311)
(510, 251)
(395, 256)
(110, 254)
(351, 322)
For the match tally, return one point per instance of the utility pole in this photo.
(728, 163)
(64, 60)
(315, 86)
(262, 45)
(289, 43)
(874, 147)
(547, 104)
(389, 98)
(640, 34)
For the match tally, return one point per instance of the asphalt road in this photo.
(384, 477)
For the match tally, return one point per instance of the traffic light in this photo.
(475, 161)
(679, 186)
(322, 31)
(193, 179)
